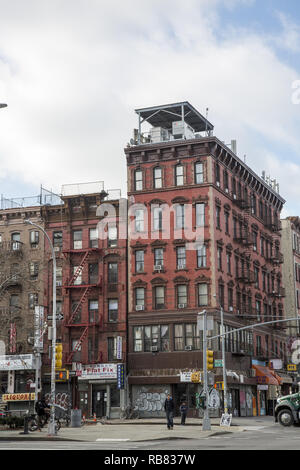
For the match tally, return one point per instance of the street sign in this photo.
(218, 363)
(200, 323)
(59, 317)
(292, 367)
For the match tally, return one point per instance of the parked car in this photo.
(287, 410)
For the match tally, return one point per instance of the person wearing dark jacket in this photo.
(169, 409)
(183, 411)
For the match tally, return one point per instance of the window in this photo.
(112, 236)
(93, 311)
(139, 261)
(93, 233)
(140, 298)
(57, 240)
(199, 173)
(256, 277)
(93, 273)
(139, 220)
(181, 257)
(226, 183)
(159, 297)
(158, 257)
(77, 273)
(254, 237)
(157, 177)
(253, 204)
(200, 215)
(230, 298)
(33, 300)
(258, 309)
(156, 338)
(219, 253)
(179, 175)
(113, 306)
(201, 257)
(113, 273)
(138, 338)
(112, 349)
(228, 257)
(186, 337)
(179, 214)
(217, 174)
(227, 222)
(58, 307)
(14, 301)
(34, 238)
(218, 217)
(138, 180)
(77, 239)
(76, 349)
(181, 296)
(202, 295)
(16, 241)
(33, 270)
(76, 312)
(157, 218)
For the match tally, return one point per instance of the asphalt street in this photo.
(260, 433)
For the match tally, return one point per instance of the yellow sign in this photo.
(18, 397)
(195, 377)
(292, 367)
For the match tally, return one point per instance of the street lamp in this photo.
(51, 429)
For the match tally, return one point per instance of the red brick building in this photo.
(91, 279)
(179, 164)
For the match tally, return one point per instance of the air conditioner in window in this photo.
(59, 283)
(154, 348)
(57, 248)
(139, 307)
(181, 266)
(218, 184)
(230, 309)
(188, 348)
(226, 190)
(158, 267)
(181, 305)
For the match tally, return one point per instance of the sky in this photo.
(73, 71)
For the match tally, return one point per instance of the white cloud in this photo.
(73, 72)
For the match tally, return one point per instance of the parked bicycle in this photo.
(130, 413)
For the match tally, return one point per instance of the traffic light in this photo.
(58, 356)
(61, 376)
(209, 359)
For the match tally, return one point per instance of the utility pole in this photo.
(224, 362)
(52, 427)
(206, 421)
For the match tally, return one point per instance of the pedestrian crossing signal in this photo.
(61, 376)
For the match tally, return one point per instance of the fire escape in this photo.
(243, 237)
(85, 281)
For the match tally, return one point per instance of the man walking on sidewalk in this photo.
(169, 409)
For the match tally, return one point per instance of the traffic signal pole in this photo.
(224, 364)
(206, 421)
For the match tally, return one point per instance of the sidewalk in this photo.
(137, 430)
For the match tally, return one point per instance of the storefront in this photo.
(101, 390)
(18, 381)
(268, 382)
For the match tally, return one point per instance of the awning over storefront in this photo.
(286, 379)
(264, 375)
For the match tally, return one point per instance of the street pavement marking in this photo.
(111, 440)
